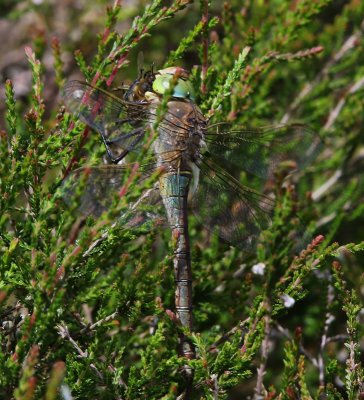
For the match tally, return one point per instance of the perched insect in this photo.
(198, 163)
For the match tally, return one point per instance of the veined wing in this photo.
(122, 124)
(239, 213)
(260, 151)
(95, 189)
(221, 203)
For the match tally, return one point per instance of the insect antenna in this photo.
(140, 63)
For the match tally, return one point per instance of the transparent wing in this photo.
(260, 151)
(122, 124)
(222, 204)
(95, 189)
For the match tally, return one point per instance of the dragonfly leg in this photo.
(119, 158)
(125, 136)
(137, 133)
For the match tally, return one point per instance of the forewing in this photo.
(261, 151)
(120, 123)
(222, 204)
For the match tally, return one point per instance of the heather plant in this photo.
(87, 304)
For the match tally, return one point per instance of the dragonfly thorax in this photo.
(180, 135)
(181, 130)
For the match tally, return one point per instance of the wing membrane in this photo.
(96, 189)
(223, 204)
(122, 124)
(260, 151)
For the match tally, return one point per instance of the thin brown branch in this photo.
(205, 46)
(285, 332)
(99, 322)
(329, 318)
(335, 112)
(333, 115)
(259, 387)
(227, 335)
(65, 334)
(337, 338)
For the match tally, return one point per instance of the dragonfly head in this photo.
(140, 86)
(183, 87)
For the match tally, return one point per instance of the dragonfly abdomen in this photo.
(174, 191)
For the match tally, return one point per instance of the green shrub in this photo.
(85, 318)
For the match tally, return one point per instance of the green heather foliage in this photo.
(80, 320)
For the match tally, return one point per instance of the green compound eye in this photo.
(183, 89)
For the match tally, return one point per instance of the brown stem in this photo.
(259, 387)
(328, 320)
(205, 46)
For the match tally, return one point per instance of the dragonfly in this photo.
(202, 166)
